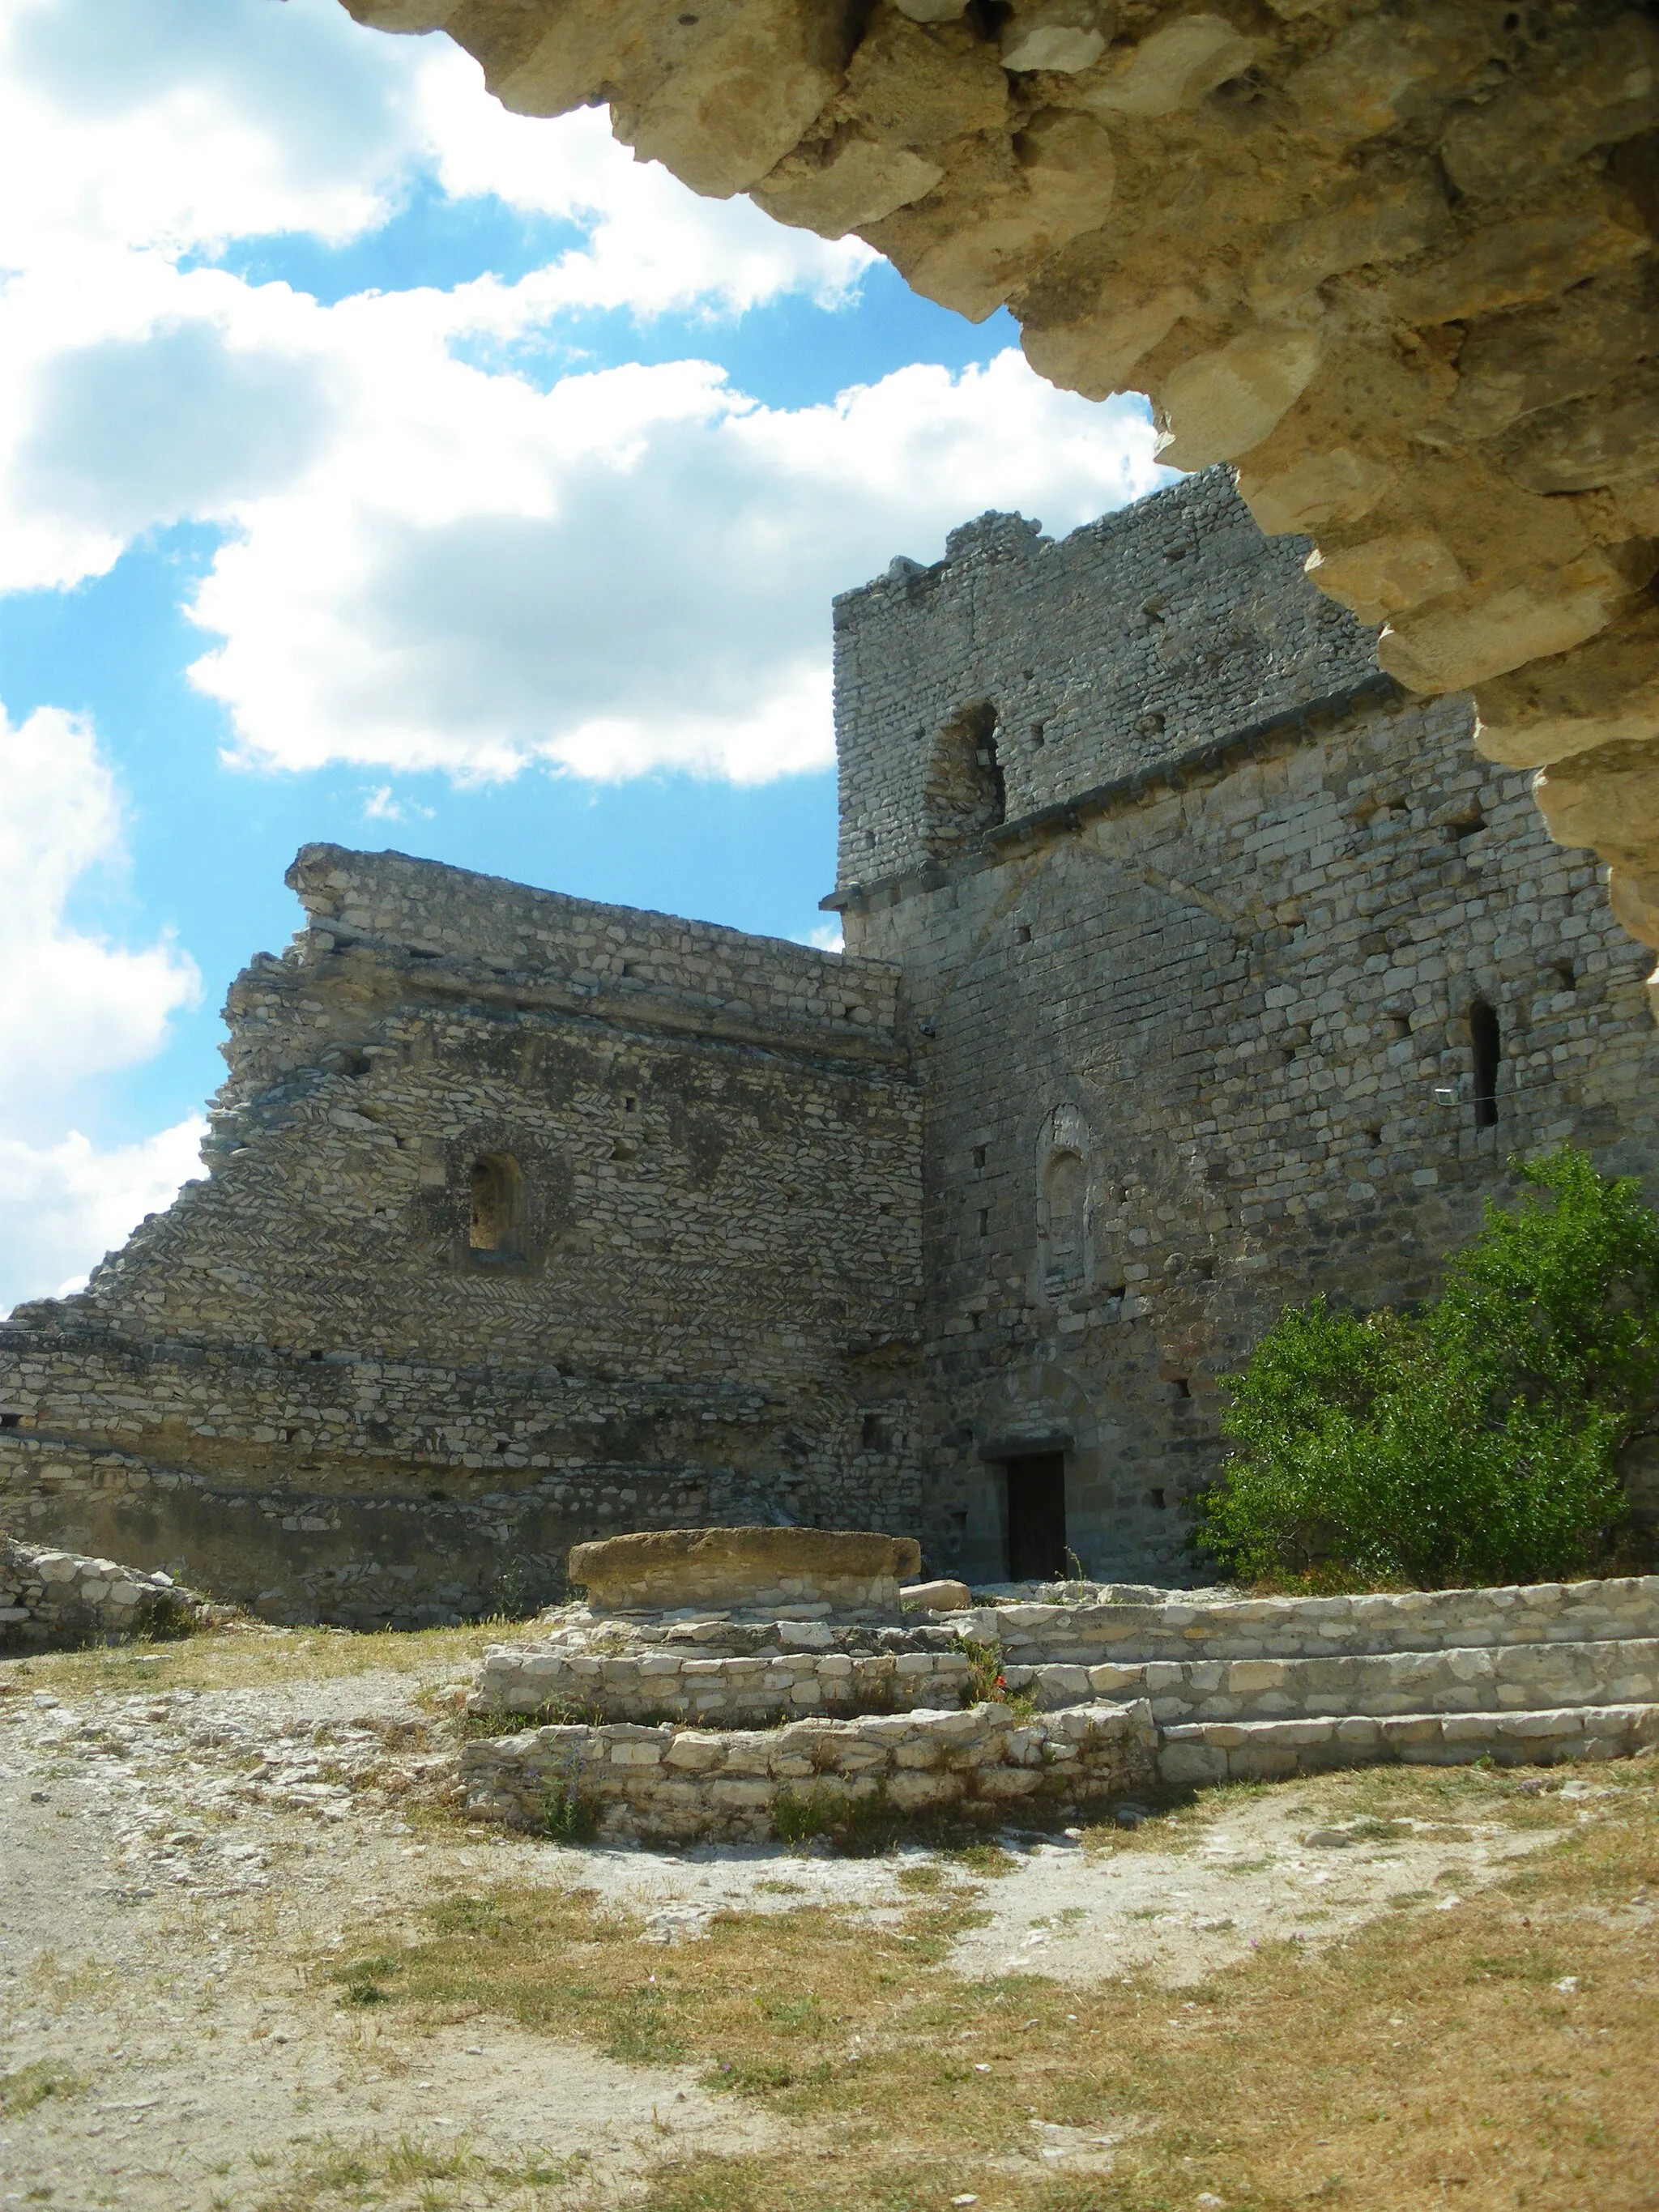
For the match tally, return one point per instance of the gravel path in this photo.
(168, 1868)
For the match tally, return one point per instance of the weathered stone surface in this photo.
(746, 1567)
(1196, 907)
(935, 1597)
(318, 1381)
(1255, 1630)
(1398, 262)
(637, 1786)
(1204, 1691)
(54, 1599)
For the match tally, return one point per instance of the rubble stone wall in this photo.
(59, 1600)
(1197, 1038)
(530, 1220)
(1136, 640)
(311, 1385)
(1503, 1678)
(677, 1785)
(1322, 1627)
(737, 1692)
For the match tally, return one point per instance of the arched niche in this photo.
(1063, 1223)
(495, 1208)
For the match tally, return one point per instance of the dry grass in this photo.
(237, 1659)
(1433, 2058)
(331, 2173)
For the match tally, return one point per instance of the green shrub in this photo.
(861, 1826)
(1473, 1440)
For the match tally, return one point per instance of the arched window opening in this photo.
(497, 1204)
(1064, 1263)
(1064, 1192)
(965, 793)
(1486, 1039)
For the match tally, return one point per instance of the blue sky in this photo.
(379, 467)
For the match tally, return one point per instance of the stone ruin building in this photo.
(1192, 967)
(1393, 259)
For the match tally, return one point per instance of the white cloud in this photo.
(653, 245)
(62, 1206)
(73, 1006)
(181, 126)
(180, 123)
(134, 392)
(431, 564)
(630, 571)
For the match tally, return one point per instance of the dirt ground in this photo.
(188, 1835)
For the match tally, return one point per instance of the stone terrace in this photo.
(1094, 1699)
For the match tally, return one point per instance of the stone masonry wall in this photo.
(59, 1599)
(308, 1385)
(1172, 928)
(1522, 1614)
(1137, 640)
(1198, 1043)
(678, 1784)
(749, 1692)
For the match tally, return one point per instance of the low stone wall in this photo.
(1473, 1679)
(682, 1785)
(1235, 1750)
(1120, 1695)
(747, 1691)
(1309, 1627)
(783, 1572)
(59, 1599)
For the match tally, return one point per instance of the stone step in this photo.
(1468, 1679)
(732, 1693)
(1202, 1752)
(1314, 1627)
(679, 1784)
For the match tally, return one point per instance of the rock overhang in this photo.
(1396, 264)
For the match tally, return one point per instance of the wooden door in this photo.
(1037, 1517)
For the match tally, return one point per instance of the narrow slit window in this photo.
(1486, 1040)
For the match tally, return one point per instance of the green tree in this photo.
(1473, 1440)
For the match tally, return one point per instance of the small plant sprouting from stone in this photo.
(517, 1591)
(861, 1826)
(985, 1683)
(799, 1816)
(1075, 1589)
(569, 1815)
(365, 1981)
(167, 1619)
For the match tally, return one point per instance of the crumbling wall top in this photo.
(1052, 667)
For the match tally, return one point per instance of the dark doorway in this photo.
(1484, 1036)
(1037, 1517)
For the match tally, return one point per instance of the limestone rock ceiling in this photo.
(1396, 263)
